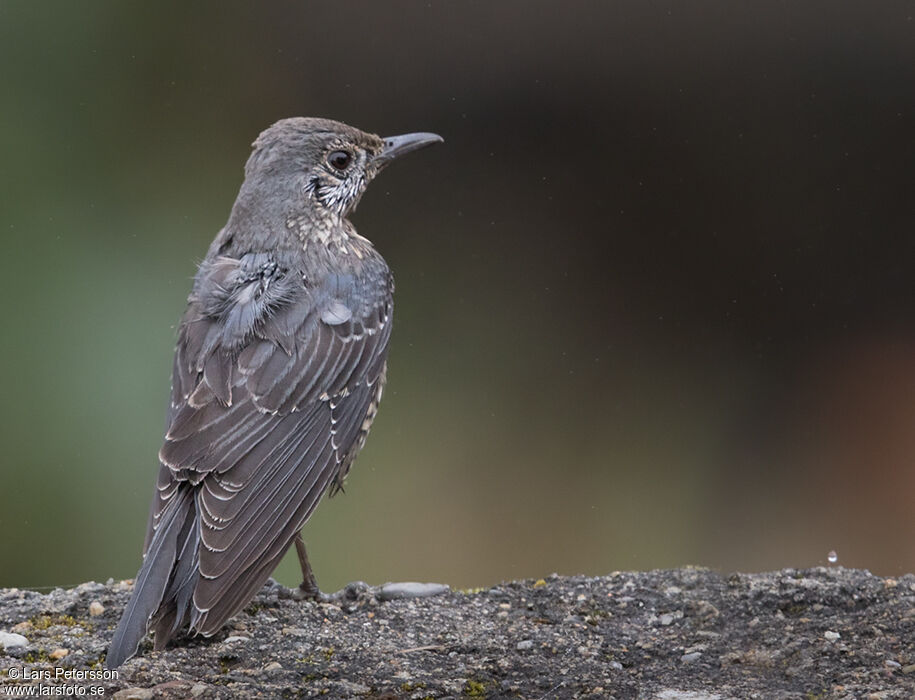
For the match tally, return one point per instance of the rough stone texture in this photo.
(685, 634)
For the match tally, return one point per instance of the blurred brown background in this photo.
(655, 301)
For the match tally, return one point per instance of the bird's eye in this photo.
(339, 160)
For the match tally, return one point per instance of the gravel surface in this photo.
(684, 634)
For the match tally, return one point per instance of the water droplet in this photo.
(832, 557)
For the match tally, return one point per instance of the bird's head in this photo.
(325, 163)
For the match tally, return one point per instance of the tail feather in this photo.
(153, 579)
(176, 607)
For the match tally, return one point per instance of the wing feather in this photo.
(273, 383)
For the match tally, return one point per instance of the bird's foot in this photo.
(358, 591)
(308, 590)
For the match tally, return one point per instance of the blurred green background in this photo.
(655, 302)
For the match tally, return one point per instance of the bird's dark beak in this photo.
(396, 146)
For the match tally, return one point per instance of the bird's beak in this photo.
(396, 146)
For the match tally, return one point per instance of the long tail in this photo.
(163, 583)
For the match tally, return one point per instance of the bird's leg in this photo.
(309, 586)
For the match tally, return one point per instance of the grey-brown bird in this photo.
(278, 371)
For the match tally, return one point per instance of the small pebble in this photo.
(524, 645)
(11, 641)
(235, 638)
(59, 653)
(96, 608)
(273, 666)
(89, 587)
(410, 589)
(908, 669)
(691, 657)
(889, 663)
(198, 689)
(352, 689)
(134, 694)
(831, 636)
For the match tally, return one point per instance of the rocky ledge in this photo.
(688, 634)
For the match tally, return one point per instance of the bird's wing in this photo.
(273, 379)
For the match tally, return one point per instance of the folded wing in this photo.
(274, 381)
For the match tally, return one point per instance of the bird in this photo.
(278, 371)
